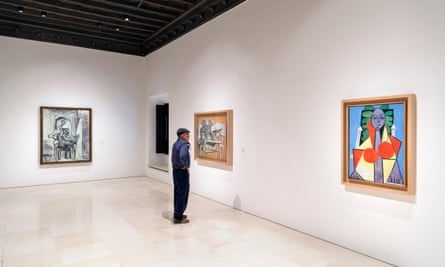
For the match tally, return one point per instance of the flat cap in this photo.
(181, 131)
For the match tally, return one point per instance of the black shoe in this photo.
(182, 220)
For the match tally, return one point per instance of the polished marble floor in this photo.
(126, 223)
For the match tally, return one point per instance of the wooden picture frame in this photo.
(65, 135)
(214, 138)
(378, 143)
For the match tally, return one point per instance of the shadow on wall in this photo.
(237, 202)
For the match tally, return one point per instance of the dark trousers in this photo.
(181, 181)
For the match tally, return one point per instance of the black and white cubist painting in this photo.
(65, 135)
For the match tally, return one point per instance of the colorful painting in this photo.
(213, 135)
(377, 142)
(65, 135)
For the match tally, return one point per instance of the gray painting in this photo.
(65, 135)
(212, 139)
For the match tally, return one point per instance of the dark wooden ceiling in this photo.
(136, 27)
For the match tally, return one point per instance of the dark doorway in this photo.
(162, 129)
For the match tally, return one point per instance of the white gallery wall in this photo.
(34, 74)
(284, 67)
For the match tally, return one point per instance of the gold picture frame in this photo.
(214, 138)
(378, 143)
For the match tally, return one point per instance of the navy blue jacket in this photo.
(180, 154)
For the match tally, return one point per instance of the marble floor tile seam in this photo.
(43, 186)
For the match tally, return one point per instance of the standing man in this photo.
(181, 174)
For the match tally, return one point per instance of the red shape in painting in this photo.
(370, 155)
(357, 154)
(395, 143)
(386, 150)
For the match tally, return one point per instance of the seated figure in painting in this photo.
(375, 157)
(64, 142)
(67, 144)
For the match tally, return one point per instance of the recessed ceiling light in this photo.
(43, 14)
(21, 9)
(127, 18)
(117, 28)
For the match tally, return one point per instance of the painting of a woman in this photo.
(375, 154)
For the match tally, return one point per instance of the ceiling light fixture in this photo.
(43, 14)
(117, 28)
(21, 9)
(127, 18)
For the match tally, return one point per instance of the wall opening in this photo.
(162, 129)
(158, 131)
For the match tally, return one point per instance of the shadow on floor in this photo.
(167, 215)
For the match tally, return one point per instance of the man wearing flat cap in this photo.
(181, 174)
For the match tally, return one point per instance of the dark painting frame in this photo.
(65, 135)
